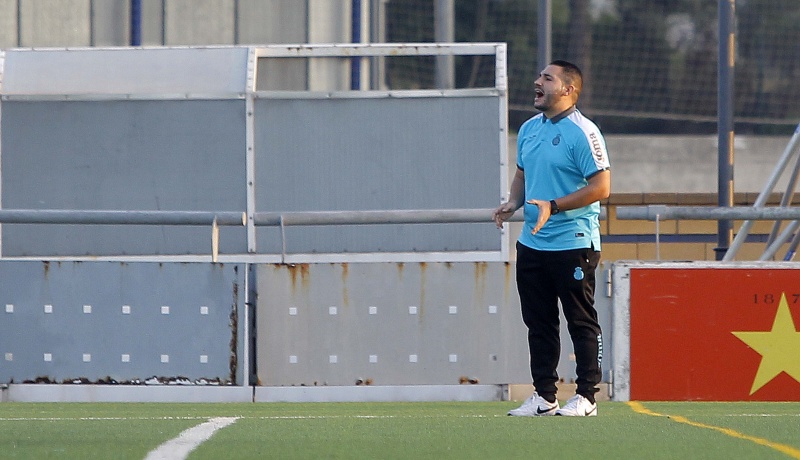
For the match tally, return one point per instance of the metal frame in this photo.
(250, 94)
(2, 65)
(275, 219)
(662, 212)
(252, 66)
(383, 50)
(2, 69)
(788, 152)
(378, 49)
(658, 213)
(758, 211)
(280, 219)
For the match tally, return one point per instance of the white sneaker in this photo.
(578, 406)
(535, 406)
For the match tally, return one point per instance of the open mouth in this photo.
(539, 93)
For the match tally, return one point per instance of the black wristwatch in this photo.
(554, 208)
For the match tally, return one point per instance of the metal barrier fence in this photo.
(455, 322)
(203, 128)
(659, 213)
(215, 219)
(275, 219)
(196, 128)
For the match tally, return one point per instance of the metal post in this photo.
(444, 32)
(658, 237)
(785, 236)
(792, 248)
(726, 65)
(544, 34)
(653, 212)
(355, 63)
(786, 200)
(215, 241)
(115, 217)
(377, 34)
(136, 22)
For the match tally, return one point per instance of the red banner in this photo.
(714, 334)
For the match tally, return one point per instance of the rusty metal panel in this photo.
(107, 322)
(395, 324)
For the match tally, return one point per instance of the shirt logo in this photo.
(597, 149)
(557, 140)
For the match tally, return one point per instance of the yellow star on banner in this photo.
(778, 348)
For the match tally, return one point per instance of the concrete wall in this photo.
(685, 164)
(688, 164)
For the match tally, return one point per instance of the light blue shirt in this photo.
(558, 156)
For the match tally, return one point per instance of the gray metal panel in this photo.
(411, 320)
(129, 394)
(126, 71)
(8, 24)
(68, 320)
(127, 155)
(333, 324)
(193, 22)
(385, 393)
(378, 153)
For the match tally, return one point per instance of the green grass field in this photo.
(403, 430)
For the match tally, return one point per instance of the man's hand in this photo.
(503, 213)
(544, 214)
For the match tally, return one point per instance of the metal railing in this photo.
(232, 218)
(215, 219)
(659, 213)
(758, 211)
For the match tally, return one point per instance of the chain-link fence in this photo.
(649, 65)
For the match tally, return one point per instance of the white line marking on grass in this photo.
(261, 417)
(322, 417)
(187, 441)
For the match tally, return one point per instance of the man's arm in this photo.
(598, 188)
(515, 200)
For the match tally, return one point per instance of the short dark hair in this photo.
(572, 74)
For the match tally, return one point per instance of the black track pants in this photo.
(544, 277)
